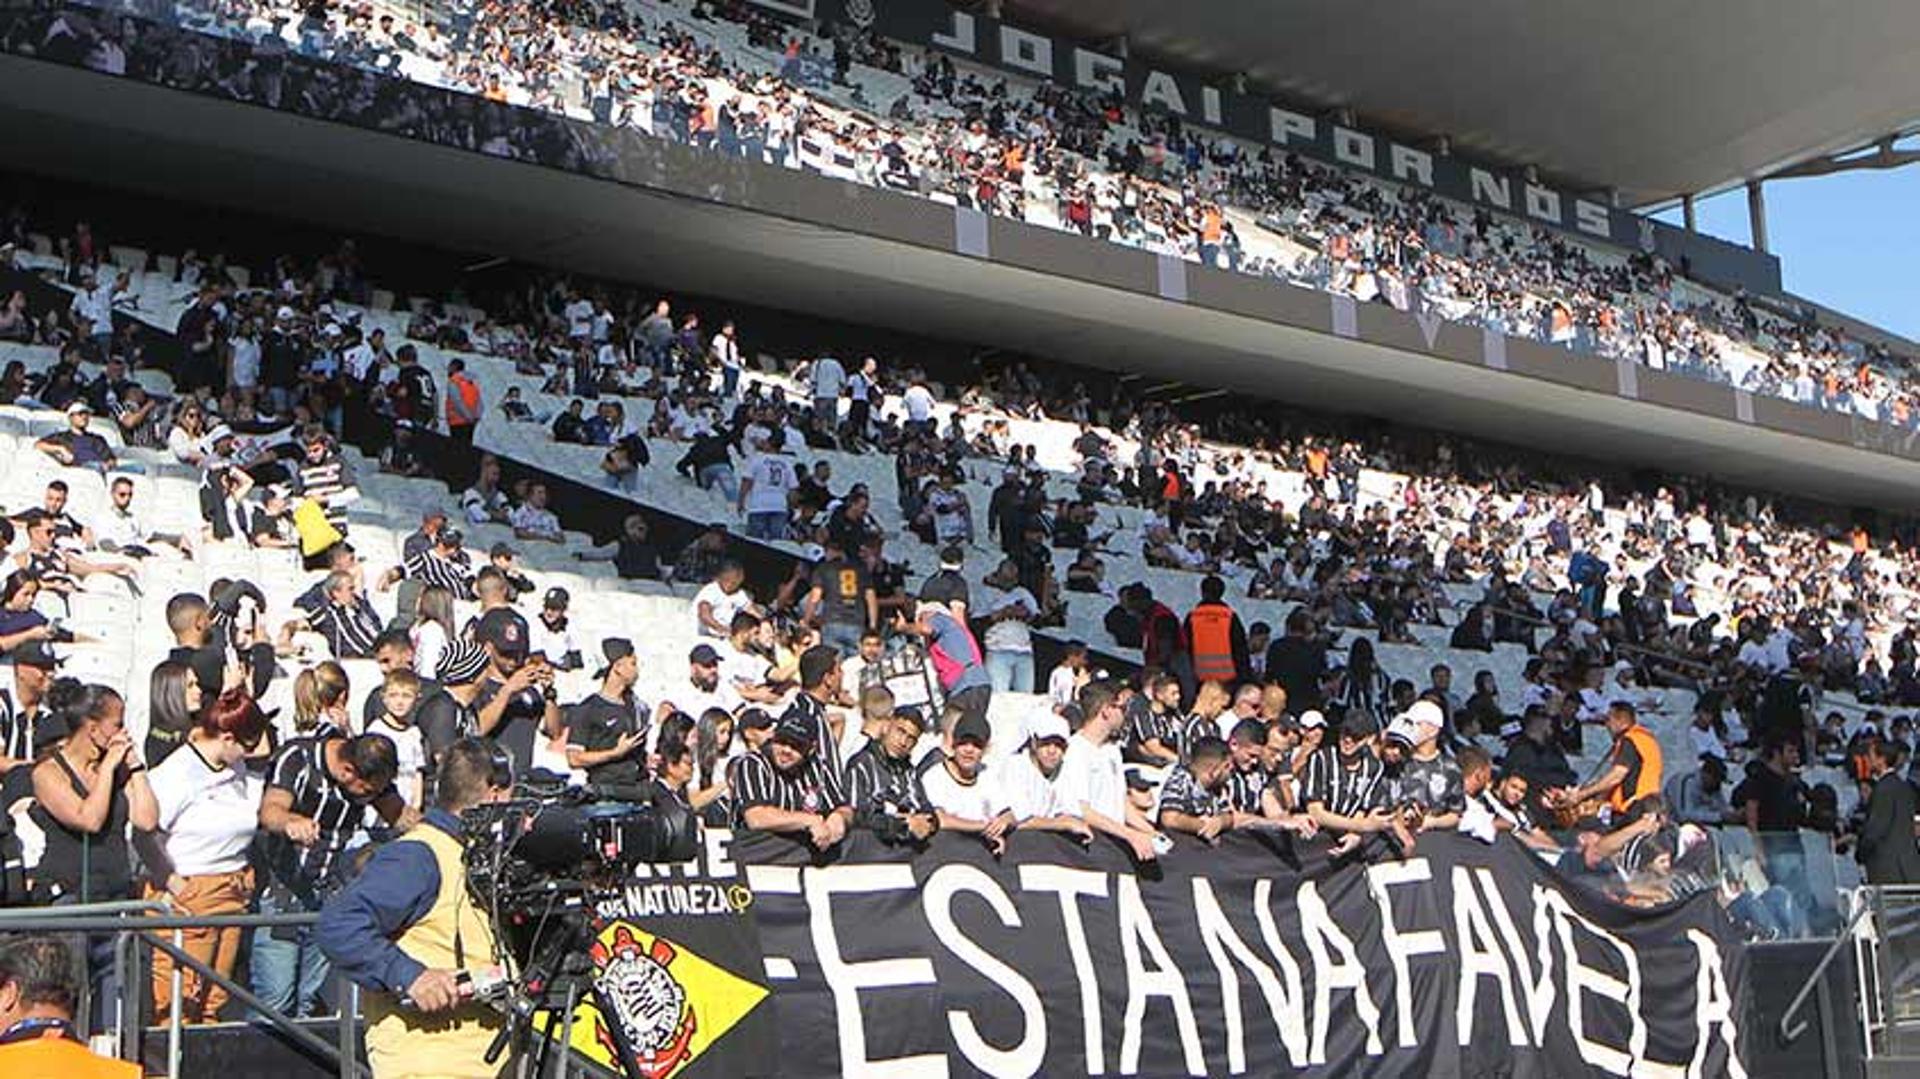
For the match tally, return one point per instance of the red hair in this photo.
(234, 712)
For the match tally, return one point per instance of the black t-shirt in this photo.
(441, 719)
(1782, 800)
(597, 723)
(519, 727)
(843, 589)
(637, 560)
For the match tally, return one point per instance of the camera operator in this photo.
(407, 928)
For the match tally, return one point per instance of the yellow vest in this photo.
(407, 1044)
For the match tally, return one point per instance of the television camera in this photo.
(536, 866)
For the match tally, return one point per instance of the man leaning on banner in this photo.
(406, 931)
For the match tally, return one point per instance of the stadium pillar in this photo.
(1687, 212)
(1757, 214)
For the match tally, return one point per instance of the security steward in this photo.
(1633, 770)
(407, 930)
(1219, 640)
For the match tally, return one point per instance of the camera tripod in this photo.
(558, 976)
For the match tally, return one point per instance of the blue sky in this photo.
(1846, 240)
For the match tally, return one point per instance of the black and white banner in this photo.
(1246, 958)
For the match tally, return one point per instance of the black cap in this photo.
(972, 728)
(557, 597)
(615, 649)
(704, 655)
(1138, 782)
(795, 730)
(34, 654)
(503, 629)
(451, 537)
(755, 719)
(502, 550)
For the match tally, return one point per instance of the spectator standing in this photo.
(87, 793)
(207, 807)
(955, 656)
(841, 601)
(862, 388)
(1296, 661)
(764, 490)
(1887, 851)
(1092, 785)
(1009, 611)
(725, 352)
(318, 790)
(606, 738)
(464, 406)
(1218, 639)
(884, 787)
(828, 382)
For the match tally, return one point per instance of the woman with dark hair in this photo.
(86, 793)
(707, 793)
(19, 622)
(1363, 684)
(208, 809)
(173, 707)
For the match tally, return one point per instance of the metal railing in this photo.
(154, 926)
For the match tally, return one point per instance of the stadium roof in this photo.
(1651, 98)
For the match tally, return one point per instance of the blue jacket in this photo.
(396, 889)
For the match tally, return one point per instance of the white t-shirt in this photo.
(742, 667)
(981, 800)
(429, 645)
(1091, 775)
(1013, 634)
(722, 606)
(209, 816)
(535, 521)
(772, 476)
(1061, 685)
(579, 318)
(409, 748)
(1030, 794)
(918, 401)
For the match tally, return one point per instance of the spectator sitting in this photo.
(76, 446)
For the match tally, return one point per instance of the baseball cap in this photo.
(755, 719)
(452, 537)
(557, 598)
(972, 728)
(615, 649)
(79, 405)
(795, 730)
(502, 550)
(461, 664)
(704, 655)
(1312, 719)
(504, 630)
(1045, 725)
(1402, 730)
(1422, 714)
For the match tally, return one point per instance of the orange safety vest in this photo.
(1647, 780)
(469, 399)
(1212, 627)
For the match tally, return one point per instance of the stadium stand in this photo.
(281, 493)
(734, 80)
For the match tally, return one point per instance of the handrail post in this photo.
(127, 1023)
(173, 1013)
(349, 1005)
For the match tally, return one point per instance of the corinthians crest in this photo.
(650, 1005)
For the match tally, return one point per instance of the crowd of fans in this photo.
(792, 714)
(1079, 160)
